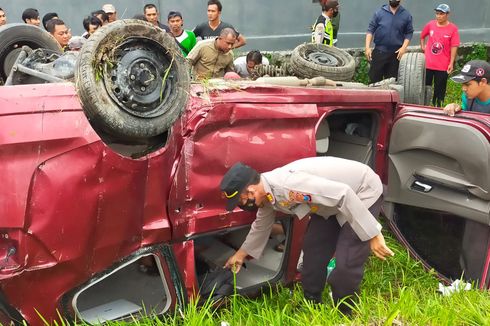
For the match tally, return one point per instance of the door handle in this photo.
(420, 186)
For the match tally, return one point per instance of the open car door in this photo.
(438, 196)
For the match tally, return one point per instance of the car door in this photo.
(438, 190)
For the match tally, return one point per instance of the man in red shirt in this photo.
(440, 51)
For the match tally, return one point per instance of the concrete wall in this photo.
(273, 24)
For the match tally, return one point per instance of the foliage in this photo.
(478, 51)
(362, 69)
(394, 292)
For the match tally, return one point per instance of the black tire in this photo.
(14, 36)
(120, 79)
(312, 60)
(411, 75)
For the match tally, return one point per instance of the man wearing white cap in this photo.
(110, 10)
(440, 51)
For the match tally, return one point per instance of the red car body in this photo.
(72, 208)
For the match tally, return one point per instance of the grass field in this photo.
(395, 292)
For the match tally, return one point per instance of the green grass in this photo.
(395, 292)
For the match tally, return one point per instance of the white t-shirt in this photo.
(241, 65)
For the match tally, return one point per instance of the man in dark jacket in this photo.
(392, 29)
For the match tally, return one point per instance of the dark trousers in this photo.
(440, 81)
(323, 239)
(383, 65)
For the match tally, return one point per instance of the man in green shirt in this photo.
(185, 39)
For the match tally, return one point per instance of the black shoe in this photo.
(313, 299)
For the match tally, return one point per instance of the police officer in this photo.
(342, 198)
(323, 29)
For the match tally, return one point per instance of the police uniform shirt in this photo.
(321, 185)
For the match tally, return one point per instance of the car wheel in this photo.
(132, 80)
(14, 36)
(411, 75)
(312, 60)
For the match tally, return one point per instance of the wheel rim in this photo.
(321, 58)
(134, 79)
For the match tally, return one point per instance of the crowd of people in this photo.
(391, 30)
(213, 58)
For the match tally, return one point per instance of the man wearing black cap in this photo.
(342, 198)
(474, 78)
(184, 38)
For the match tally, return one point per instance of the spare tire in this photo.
(411, 75)
(312, 60)
(132, 80)
(14, 36)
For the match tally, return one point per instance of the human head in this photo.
(90, 24)
(3, 17)
(226, 40)
(60, 32)
(240, 184)
(140, 17)
(214, 10)
(394, 3)
(151, 13)
(253, 58)
(111, 12)
(76, 43)
(474, 78)
(31, 16)
(48, 17)
(175, 22)
(102, 16)
(331, 8)
(442, 13)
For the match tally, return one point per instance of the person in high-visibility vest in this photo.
(323, 32)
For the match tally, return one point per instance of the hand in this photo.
(451, 109)
(235, 262)
(400, 52)
(379, 248)
(369, 53)
(450, 68)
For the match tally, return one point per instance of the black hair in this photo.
(149, 6)
(255, 179)
(50, 25)
(330, 4)
(227, 31)
(254, 56)
(30, 13)
(91, 20)
(48, 17)
(140, 17)
(102, 13)
(215, 2)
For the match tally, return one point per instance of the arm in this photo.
(373, 25)
(256, 239)
(408, 36)
(401, 51)
(240, 41)
(319, 28)
(368, 50)
(423, 35)
(454, 52)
